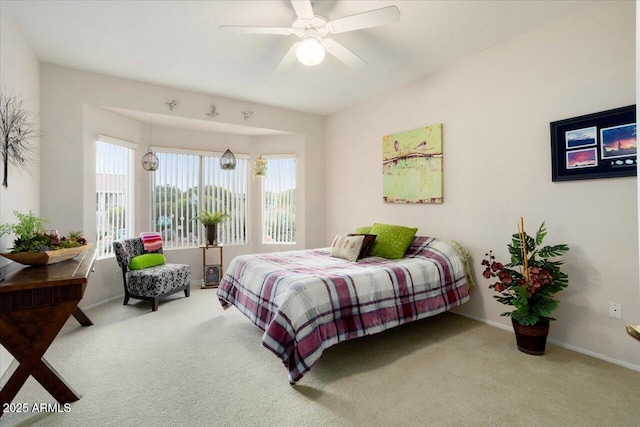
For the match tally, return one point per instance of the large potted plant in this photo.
(528, 283)
(211, 220)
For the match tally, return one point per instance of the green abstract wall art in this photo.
(412, 166)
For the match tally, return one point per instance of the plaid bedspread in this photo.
(306, 301)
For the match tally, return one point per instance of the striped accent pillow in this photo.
(346, 247)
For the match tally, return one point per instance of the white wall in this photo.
(73, 115)
(19, 75)
(496, 108)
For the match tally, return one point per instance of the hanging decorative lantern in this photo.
(260, 167)
(228, 161)
(150, 161)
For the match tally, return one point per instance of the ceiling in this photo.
(179, 43)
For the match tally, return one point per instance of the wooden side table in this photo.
(211, 273)
(35, 302)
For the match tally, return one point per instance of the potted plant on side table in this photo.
(528, 283)
(211, 220)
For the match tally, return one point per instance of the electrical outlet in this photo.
(615, 310)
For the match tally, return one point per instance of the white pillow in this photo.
(346, 247)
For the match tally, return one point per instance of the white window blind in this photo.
(114, 192)
(226, 191)
(184, 175)
(174, 199)
(279, 200)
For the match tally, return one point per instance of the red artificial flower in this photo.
(505, 277)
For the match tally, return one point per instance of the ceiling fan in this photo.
(313, 29)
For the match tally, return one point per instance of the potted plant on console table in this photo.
(35, 246)
(528, 283)
(211, 220)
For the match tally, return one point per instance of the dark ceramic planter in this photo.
(532, 339)
(212, 235)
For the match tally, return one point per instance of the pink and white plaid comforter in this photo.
(306, 301)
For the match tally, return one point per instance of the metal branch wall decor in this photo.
(16, 132)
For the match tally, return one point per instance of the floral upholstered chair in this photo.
(152, 282)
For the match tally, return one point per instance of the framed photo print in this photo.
(211, 275)
(600, 145)
(577, 159)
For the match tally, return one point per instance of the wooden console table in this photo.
(35, 302)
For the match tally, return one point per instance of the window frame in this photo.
(201, 186)
(130, 190)
(263, 228)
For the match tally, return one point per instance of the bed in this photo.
(306, 300)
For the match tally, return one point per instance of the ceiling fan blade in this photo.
(372, 18)
(256, 30)
(289, 59)
(303, 8)
(343, 54)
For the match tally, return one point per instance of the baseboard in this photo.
(563, 345)
(103, 302)
(192, 284)
(594, 354)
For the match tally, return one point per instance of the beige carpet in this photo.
(192, 364)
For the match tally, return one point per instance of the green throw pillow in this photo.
(363, 230)
(392, 241)
(147, 260)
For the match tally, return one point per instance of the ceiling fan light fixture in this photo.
(313, 29)
(310, 52)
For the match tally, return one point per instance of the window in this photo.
(184, 175)
(226, 190)
(114, 192)
(279, 200)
